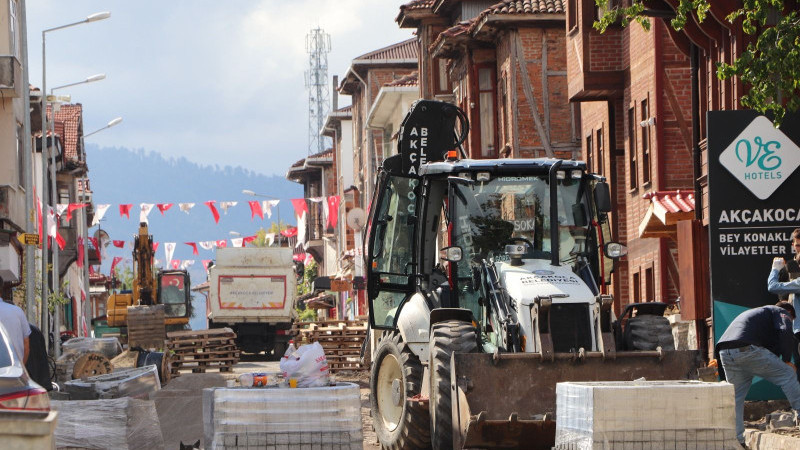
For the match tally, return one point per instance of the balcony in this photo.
(12, 206)
(10, 76)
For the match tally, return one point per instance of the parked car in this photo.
(18, 393)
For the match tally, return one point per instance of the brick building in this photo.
(504, 64)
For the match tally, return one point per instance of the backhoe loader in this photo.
(486, 280)
(164, 287)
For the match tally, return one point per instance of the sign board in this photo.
(28, 238)
(340, 285)
(426, 134)
(754, 204)
(251, 292)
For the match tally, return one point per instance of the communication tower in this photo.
(318, 44)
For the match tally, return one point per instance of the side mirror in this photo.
(602, 197)
(615, 250)
(451, 254)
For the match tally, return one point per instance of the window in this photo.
(589, 155)
(600, 159)
(649, 285)
(63, 198)
(13, 26)
(441, 80)
(645, 143)
(572, 14)
(486, 111)
(636, 294)
(632, 153)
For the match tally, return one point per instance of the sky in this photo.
(217, 82)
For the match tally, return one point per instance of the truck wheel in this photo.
(647, 332)
(446, 337)
(396, 377)
(278, 350)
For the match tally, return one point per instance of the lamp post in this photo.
(45, 150)
(84, 225)
(55, 103)
(255, 194)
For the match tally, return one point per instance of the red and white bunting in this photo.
(144, 211)
(99, 212)
(125, 210)
(194, 247)
(169, 250)
(186, 207)
(213, 208)
(163, 207)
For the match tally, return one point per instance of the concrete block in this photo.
(20, 433)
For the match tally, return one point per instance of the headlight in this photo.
(615, 250)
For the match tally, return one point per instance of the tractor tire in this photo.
(446, 337)
(649, 332)
(396, 377)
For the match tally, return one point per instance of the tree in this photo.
(770, 65)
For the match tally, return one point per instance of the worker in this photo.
(17, 328)
(778, 283)
(748, 348)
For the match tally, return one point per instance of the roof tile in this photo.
(527, 7)
(672, 201)
(412, 79)
(400, 51)
(67, 125)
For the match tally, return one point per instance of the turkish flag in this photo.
(162, 207)
(255, 209)
(248, 239)
(155, 247)
(73, 207)
(222, 243)
(125, 210)
(333, 210)
(300, 206)
(173, 280)
(119, 244)
(213, 209)
(114, 263)
(175, 264)
(194, 247)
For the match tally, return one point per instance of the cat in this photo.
(196, 445)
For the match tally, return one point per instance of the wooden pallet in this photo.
(202, 350)
(341, 340)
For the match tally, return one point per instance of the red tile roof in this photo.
(399, 52)
(447, 36)
(411, 13)
(409, 80)
(417, 4)
(321, 155)
(526, 7)
(672, 201)
(68, 126)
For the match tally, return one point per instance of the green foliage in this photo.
(306, 315)
(770, 66)
(309, 274)
(59, 297)
(124, 275)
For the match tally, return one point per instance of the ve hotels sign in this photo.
(754, 204)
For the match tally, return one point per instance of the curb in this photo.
(759, 440)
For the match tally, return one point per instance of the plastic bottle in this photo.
(290, 349)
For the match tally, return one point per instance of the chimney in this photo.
(335, 100)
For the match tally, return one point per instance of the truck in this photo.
(252, 290)
(487, 285)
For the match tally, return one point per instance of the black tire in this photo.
(277, 351)
(411, 429)
(649, 332)
(446, 337)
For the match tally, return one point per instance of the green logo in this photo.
(764, 155)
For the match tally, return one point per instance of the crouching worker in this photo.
(751, 346)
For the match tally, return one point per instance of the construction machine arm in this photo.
(143, 279)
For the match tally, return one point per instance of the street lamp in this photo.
(55, 103)
(255, 194)
(85, 220)
(45, 201)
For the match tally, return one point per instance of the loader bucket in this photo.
(509, 400)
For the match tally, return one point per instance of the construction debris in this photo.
(86, 357)
(137, 383)
(121, 424)
(341, 340)
(201, 350)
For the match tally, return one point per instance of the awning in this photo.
(667, 208)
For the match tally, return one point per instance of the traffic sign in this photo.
(28, 238)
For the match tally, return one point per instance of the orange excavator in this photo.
(163, 287)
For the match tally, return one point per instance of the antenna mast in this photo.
(318, 44)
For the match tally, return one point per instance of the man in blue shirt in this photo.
(784, 288)
(748, 348)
